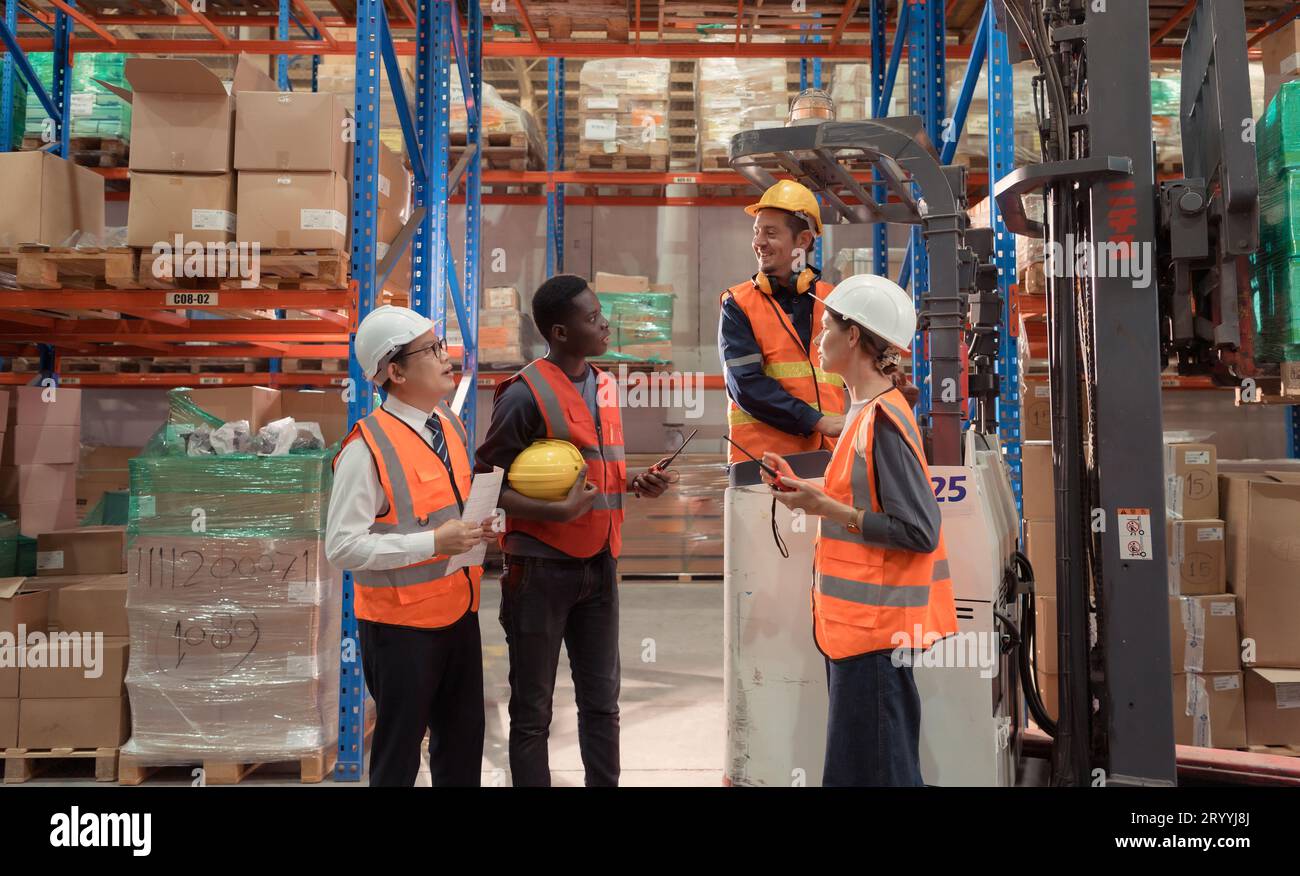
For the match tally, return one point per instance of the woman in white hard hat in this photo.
(400, 482)
(881, 590)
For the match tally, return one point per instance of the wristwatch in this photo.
(852, 526)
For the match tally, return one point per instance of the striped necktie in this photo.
(439, 442)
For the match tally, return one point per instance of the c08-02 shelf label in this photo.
(192, 299)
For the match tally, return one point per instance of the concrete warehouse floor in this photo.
(673, 727)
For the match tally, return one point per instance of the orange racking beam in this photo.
(156, 299)
(315, 22)
(1172, 23)
(85, 20)
(850, 7)
(168, 380)
(528, 24)
(1275, 25)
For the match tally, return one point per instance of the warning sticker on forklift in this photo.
(1134, 533)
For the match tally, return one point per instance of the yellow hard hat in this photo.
(546, 469)
(791, 197)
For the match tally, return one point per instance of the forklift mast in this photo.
(1135, 270)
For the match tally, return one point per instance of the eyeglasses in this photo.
(439, 348)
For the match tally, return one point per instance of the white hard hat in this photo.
(383, 332)
(878, 304)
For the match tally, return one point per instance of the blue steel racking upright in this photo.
(433, 267)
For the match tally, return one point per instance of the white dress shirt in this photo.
(357, 499)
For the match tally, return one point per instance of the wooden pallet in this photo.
(80, 365)
(314, 366)
(22, 764)
(598, 161)
(1275, 750)
(43, 267)
(89, 151)
(299, 269)
(202, 365)
(561, 20)
(311, 768)
(502, 151)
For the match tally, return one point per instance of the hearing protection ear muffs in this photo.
(807, 277)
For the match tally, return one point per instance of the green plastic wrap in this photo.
(26, 556)
(96, 111)
(234, 611)
(18, 113)
(1275, 284)
(8, 547)
(112, 509)
(640, 326)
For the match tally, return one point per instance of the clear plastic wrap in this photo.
(623, 107)
(681, 531)
(234, 611)
(640, 325)
(499, 116)
(734, 95)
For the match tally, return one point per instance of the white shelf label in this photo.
(49, 559)
(323, 220)
(212, 220)
(212, 380)
(192, 299)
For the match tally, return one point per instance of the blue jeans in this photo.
(873, 730)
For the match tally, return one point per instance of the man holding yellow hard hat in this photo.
(564, 516)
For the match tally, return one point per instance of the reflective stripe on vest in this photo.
(785, 359)
(422, 594)
(865, 595)
(567, 416)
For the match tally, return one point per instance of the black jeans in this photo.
(543, 603)
(425, 680)
(873, 731)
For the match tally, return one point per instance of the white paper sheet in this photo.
(481, 504)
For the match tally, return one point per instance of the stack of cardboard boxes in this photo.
(182, 130)
(640, 315)
(38, 463)
(1209, 708)
(234, 624)
(70, 627)
(292, 157)
(623, 108)
(1038, 501)
(101, 470)
(1261, 510)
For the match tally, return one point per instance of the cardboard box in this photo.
(8, 723)
(37, 517)
(84, 550)
(44, 445)
(1040, 548)
(24, 484)
(1203, 633)
(1045, 640)
(1035, 408)
(102, 469)
(23, 606)
(1038, 490)
(1290, 378)
(501, 298)
(59, 670)
(8, 682)
(1209, 710)
(49, 201)
(257, 404)
(96, 606)
(173, 572)
(325, 407)
(1196, 556)
(604, 282)
(1191, 481)
(196, 207)
(1280, 57)
(39, 406)
(290, 130)
(1262, 516)
(100, 722)
(181, 113)
(53, 586)
(394, 183)
(1272, 706)
(1048, 689)
(292, 210)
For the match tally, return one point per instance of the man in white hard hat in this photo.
(881, 586)
(400, 483)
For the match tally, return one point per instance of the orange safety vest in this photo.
(785, 359)
(865, 596)
(422, 495)
(568, 418)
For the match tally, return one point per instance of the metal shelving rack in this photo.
(434, 36)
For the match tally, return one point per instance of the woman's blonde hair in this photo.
(887, 357)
